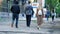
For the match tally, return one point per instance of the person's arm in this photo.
(25, 9)
(18, 9)
(37, 12)
(32, 11)
(42, 13)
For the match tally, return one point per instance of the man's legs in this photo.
(47, 17)
(13, 18)
(28, 20)
(17, 17)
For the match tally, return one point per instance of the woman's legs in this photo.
(39, 20)
(52, 18)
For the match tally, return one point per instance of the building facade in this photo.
(6, 4)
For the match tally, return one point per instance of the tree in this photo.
(51, 4)
(59, 1)
(54, 4)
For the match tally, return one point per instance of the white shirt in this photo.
(39, 12)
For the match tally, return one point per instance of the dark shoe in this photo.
(38, 27)
(16, 27)
(28, 26)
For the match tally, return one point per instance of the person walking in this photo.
(53, 14)
(15, 9)
(47, 14)
(39, 15)
(28, 11)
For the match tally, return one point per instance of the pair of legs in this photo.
(39, 20)
(47, 17)
(28, 20)
(52, 18)
(15, 16)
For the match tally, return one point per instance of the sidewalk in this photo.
(45, 28)
(23, 29)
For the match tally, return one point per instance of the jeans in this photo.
(47, 18)
(15, 16)
(28, 20)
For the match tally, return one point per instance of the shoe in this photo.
(28, 26)
(38, 27)
(16, 26)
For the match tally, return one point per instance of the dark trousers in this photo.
(52, 18)
(28, 20)
(15, 16)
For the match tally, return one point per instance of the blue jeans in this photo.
(15, 16)
(47, 17)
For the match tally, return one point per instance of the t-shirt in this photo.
(39, 12)
(53, 14)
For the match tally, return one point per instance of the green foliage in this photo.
(53, 4)
(58, 9)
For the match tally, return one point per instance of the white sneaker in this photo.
(38, 27)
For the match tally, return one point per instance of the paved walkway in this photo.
(46, 28)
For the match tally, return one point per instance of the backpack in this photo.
(29, 10)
